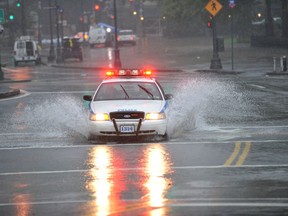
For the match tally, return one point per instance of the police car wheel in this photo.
(162, 137)
(92, 137)
(165, 136)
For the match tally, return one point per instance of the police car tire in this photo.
(165, 136)
(91, 137)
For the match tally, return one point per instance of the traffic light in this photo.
(210, 22)
(11, 17)
(97, 7)
(18, 4)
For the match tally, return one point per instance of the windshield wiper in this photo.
(147, 91)
(126, 94)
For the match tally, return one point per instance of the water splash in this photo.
(54, 115)
(203, 103)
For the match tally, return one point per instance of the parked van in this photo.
(97, 35)
(26, 50)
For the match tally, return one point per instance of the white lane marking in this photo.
(257, 86)
(22, 94)
(143, 168)
(230, 204)
(175, 203)
(260, 127)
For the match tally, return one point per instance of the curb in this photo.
(14, 81)
(10, 93)
(277, 73)
(220, 71)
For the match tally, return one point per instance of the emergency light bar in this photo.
(129, 72)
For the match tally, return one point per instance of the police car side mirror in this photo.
(87, 97)
(168, 96)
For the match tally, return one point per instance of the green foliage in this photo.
(181, 10)
(187, 9)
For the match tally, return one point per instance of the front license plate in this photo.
(127, 128)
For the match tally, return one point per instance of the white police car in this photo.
(128, 103)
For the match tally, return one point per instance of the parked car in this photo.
(26, 50)
(83, 37)
(71, 48)
(126, 37)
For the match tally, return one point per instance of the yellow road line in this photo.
(244, 154)
(233, 155)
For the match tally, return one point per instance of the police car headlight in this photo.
(155, 116)
(99, 117)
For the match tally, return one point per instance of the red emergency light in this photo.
(128, 72)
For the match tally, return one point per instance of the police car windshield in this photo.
(128, 91)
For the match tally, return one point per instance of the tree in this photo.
(192, 13)
(284, 5)
(269, 20)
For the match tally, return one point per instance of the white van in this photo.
(97, 35)
(26, 50)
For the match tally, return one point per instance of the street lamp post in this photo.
(216, 61)
(61, 11)
(23, 22)
(59, 59)
(39, 23)
(117, 61)
(51, 56)
(1, 71)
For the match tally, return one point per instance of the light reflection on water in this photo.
(99, 179)
(22, 201)
(117, 187)
(157, 165)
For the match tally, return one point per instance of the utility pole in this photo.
(1, 71)
(117, 61)
(61, 11)
(51, 56)
(215, 61)
(39, 23)
(59, 58)
(23, 24)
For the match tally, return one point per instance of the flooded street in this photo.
(226, 152)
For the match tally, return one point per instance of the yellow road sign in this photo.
(213, 7)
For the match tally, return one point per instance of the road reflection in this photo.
(128, 183)
(19, 74)
(22, 201)
(158, 164)
(110, 57)
(99, 179)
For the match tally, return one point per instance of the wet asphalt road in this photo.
(227, 152)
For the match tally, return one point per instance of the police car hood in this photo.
(126, 105)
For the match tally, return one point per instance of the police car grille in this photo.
(126, 115)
